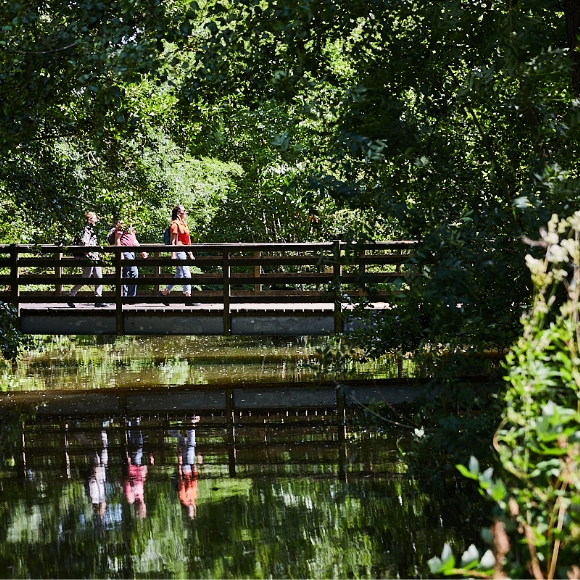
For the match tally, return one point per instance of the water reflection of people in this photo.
(98, 478)
(134, 487)
(187, 468)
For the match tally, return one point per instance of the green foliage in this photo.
(456, 125)
(64, 65)
(12, 342)
(12, 417)
(537, 528)
(471, 563)
(456, 418)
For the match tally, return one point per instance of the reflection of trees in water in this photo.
(12, 450)
(162, 360)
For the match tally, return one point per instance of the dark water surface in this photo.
(110, 362)
(255, 494)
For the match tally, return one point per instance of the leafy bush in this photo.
(11, 340)
(536, 530)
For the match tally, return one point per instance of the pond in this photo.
(282, 493)
(109, 362)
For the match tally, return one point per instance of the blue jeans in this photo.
(130, 272)
(181, 272)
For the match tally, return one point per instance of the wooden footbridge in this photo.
(244, 289)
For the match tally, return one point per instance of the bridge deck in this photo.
(267, 319)
(253, 289)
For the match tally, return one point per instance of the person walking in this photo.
(125, 236)
(179, 236)
(89, 238)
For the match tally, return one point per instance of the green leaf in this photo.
(447, 558)
(465, 472)
(498, 491)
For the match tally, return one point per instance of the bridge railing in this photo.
(221, 273)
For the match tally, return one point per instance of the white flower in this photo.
(550, 237)
(575, 220)
(557, 254)
(534, 265)
(571, 247)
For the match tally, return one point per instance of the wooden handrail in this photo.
(227, 273)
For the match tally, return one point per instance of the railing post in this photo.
(336, 281)
(362, 268)
(257, 272)
(156, 274)
(58, 274)
(226, 272)
(14, 276)
(118, 294)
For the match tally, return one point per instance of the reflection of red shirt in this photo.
(135, 483)
(187, 488)
(180, 228)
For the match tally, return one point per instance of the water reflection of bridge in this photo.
(215, 400)
(316, 416)
(249, 432)
(256, 446)
(243, 289)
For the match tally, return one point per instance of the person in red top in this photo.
(125, 236)
(179, 236)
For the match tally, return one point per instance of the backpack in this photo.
(111, 236)
(167, 236)
(78, 241)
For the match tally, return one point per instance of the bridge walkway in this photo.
(254, 289)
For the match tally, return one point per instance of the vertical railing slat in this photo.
(257, 272)
(118, 295)
(58, 274)
(337, 285)
(156, 274)
(362, 268)
(14, 278)
(226, 272)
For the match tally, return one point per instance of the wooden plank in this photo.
(14, 273)
(217, 247)
(207, 279)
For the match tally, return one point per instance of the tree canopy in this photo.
(451, 122)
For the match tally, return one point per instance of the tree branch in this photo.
(44, 51)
